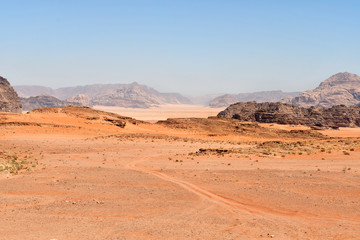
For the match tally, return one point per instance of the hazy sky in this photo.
(187, 46)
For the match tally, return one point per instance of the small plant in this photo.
(13, 164)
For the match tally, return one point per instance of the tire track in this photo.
(230, 204)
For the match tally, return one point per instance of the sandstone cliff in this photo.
(9, 100)
(44, 101)
(341, 88)
(264, 96)
(123, 95)
(81, 100)
(282, 113)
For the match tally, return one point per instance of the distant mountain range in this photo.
(339, 89)
(44, 101)
(204, 99)
(264, 96)
(122, 95)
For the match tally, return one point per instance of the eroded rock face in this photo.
(339, 89)
(282, 113)
(264, 96)
(223, 101)
(9, 100)
(44, 101)
(135, 95)
(80, 99)
(121, 95)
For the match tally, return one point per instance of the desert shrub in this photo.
(13, 163)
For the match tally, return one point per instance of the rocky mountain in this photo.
(341, 88)
(25, 91)
(264, 96)
(203, 99)
(223, 101)
(124, 95)
(135, 95)
(81, 99)
(282, 113)
(9, 100)
(44, 101)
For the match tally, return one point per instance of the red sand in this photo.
(147, 188)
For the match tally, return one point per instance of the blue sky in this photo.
(187, 46)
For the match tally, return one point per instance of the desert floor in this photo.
(163, 112)
(82, 177)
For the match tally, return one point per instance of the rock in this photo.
(25, 91)
(121, 95)
(117, 122)
(136, 96)
(9, 99)
(264, 96)
(80, 99)
(223, 101)
(44, 101)
(282, 113)
(339, 89)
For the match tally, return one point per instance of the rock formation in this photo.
(123, 95)
(223, 101)
(25, 91)
(341, 88)
(265, 96)
(282, 113)
(9, 100)
(80, 99)
(44, 101)
(130, 96)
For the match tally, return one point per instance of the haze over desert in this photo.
(164, 112)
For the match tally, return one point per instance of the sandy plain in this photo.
(84, 177)
(163, 112)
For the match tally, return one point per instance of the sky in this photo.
(186, 46)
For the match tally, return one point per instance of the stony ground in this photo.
(89, 179)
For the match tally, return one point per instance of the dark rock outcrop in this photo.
(339, 89)
(264, 96)
(9, 100)
(44, 101)
(282, 113)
